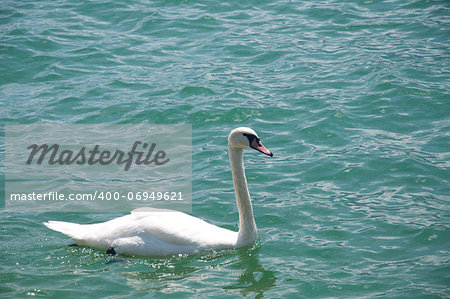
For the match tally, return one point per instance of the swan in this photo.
(168, 232)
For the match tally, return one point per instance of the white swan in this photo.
(172, 232)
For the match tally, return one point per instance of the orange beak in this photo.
(260, 147)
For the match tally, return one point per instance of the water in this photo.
(352, 98)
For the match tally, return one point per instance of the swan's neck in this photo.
(247, 227)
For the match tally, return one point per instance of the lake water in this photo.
(352, 97)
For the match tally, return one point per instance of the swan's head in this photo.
(247, 138)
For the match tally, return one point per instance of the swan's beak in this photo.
(260, 148)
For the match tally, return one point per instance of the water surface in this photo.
(351, 96)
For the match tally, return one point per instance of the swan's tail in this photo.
(73, 230)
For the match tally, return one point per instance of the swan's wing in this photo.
(182, 229)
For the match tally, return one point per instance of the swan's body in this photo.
(157, 233)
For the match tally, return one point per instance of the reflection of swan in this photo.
(254, 278)
(171, 232)
(246, 276)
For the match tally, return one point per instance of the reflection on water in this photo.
(159, 274)
(174, 273)
(254, 278)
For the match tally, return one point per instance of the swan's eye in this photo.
(252, 137)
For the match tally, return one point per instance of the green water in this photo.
(352, 97)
